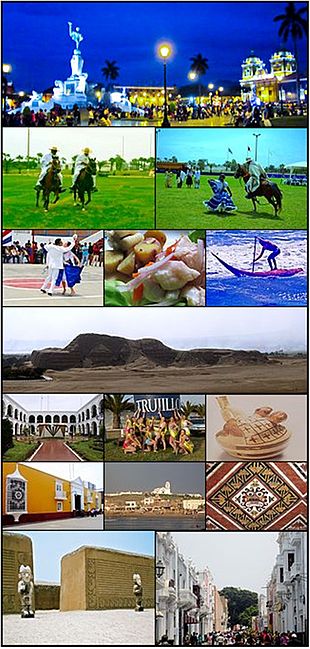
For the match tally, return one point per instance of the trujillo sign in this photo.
(157, 404)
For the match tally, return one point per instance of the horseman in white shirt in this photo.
(257, 172)
(55, 262)
(45, 165)
(81, 163)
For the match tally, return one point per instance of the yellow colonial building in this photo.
(30, 495)
(270, 85)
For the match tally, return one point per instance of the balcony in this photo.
(60, 495)
(168, 591)
(187, 599)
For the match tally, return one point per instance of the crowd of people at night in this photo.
(236, 113)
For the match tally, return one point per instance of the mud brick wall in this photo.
(47, 596)
(95, 578)
(16, 550)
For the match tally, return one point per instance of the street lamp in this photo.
(210, 86)
(192, 75)
(6, 68)
(221, 89)
(160, 569)
(164, 52)
(256, 135)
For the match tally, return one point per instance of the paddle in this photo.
(254, 254)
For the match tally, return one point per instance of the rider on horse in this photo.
(257, 173)
(45, 166)
(81, 163)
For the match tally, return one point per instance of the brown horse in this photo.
(269, 190)
(50, 184)
(84, 183)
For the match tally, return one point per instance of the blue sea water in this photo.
(237, 249)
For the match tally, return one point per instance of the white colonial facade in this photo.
(287, 589)
(185, 598)
(46, 422)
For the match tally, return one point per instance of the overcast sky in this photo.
(184, 478)
(61, 402)
(266, 329)
(240, 559)
(89, 471)
(276, 146)
(105, 143)
(49, 547)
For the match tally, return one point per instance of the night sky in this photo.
(37, 45)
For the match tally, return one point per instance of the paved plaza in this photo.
(80, 523)
(117, 627)
(54, 450)
(22, 282)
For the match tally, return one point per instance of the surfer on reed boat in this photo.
(270, 247)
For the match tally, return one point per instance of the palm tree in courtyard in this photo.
(110, 71)
(200, 66)
(117, 404)
(295, 25)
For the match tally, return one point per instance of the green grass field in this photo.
(20, 451)
(122, 201)
(87, 449)
(114, 453)
(183, 208)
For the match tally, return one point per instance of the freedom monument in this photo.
(71, 92)
(74, 89)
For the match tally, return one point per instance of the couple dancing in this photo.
(63, 267)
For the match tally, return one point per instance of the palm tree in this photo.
(117, 404)
(110, 71)
(201, 410)
(188, 408)
(200, 66)
(293, 24)
(7, 161)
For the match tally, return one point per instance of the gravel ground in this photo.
(76, 628)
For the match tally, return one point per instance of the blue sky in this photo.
(274, 145)
(223, 32)
(49, 547)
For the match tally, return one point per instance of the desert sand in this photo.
(288, 375)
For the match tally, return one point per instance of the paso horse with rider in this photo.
(84, 177)
(50, 178)
(258, 184)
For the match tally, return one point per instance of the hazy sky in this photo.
(104, 143)
(52, 401)
(89, 471)
(240, 559)
(185, 478)
(266, 329)
(54, 545)
(276, 146)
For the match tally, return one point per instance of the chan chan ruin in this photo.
(91, 578)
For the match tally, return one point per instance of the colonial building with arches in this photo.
(44, 423)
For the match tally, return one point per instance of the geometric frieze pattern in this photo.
(256, 496)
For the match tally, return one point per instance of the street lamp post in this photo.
(164, 51)
(6, 69)
(256, 135)
(160, 569)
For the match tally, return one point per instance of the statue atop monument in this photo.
(76, 35)
(25, 589)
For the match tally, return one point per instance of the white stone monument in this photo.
(74, 89)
